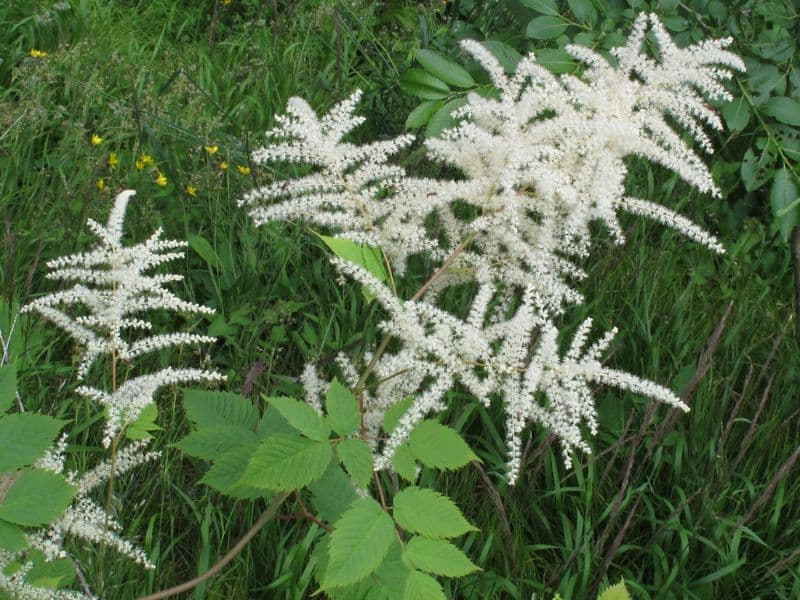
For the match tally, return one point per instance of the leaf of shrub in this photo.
(357, 459)
(209, 408)
(736, 113)
(444, 68)
(24, 438)
(395, 412)
(556, 60)
(359, 543)
(145, 423)
(782, 198)
(12, 538)
(424, 511)
(37, 497)
(302, 417)
(286, 462)
(364, 256)
(228, 469)
(343, 412)
(422, 113)
(437, 556)
(545, 7)
(422, 84)
(209, 443)
(421, 586)
(332, 494)
(615, 592)
(443, 118)
(786, 110)
(546, 27)
(404, 463)
(439, 447)
(507, 56)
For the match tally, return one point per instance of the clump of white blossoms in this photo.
(102, 310)
(539, 162)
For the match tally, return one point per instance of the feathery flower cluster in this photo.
(540, 161)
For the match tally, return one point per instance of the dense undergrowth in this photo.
(703, 505)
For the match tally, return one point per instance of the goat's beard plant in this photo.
(539, 161)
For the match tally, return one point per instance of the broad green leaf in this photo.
(209, 443)
(395, 412)
(443, 118)
(273, 422)
(404, 463)
(357, 460)
(756, 170)
(507, 56)
(584, 10)
(201, 245)
(546, 27)
(615, 592)
(344, 415)
(12, 538)
(421, 586)
(424, 511)
(782, 198)
(556, 60)
(359, 543)
(145, 423)
(439, 447)
(437, 556)
(363, 255)
(8, 387)
(786, 110)
(51, 574)
(287, 462)
(207, 408)
(444, 68)
(422, 84)
(332, 494)
(545, 7)
(736, 113)
(302, 417)
(422, 113)
(227, 470)
(24, 438)
(37, 497)
(392, 576)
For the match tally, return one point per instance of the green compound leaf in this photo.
(507, 56)
(51, 574)
(359, 543)
(145, 423)
(427, 512)
(783, 198)
(368, 257)
(439, 447)
(422, 113)
(443, 118)
(357, 459)
(546, 27)
(12, 538)
(343, 412)
(332, 494)
(8, 387)
(545, 7)
(422, 84)
(556, 60)
(736, 113)
(209, 409)
(786, 110)
(404, 463)
(285, 462)
(444, 68)
(437, 556)
(616, 592)
(36, 497)
(227, 470)
(421, 586)
(395, 412)
(25, 438)
(302, 417)
(209, 443)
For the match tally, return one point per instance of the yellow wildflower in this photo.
(161, 179)
(243, 170)
(101, 185)
(212, 149)
(96, 140)
(223, 165)
(144, 161)
(34, 53)
(191, 190)
(113, 161)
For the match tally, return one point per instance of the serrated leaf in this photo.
(736, 113)
(207, 408)
(271, 423)
(445, 69)
(286, 462)
(546, 27)
(443, 118)
(786, 110)
(365, 256)
(424, 511)
(507, 56)
(8, 387)
(332, 494)
(545, 7)
(227, 470)
(302, 417)
(37, 497)
(201, 245)
(422, 84)
(422, 113)
(342, 407)
(395, 412)
(438, 446)
(421, 586)
(51, 574)
(12, 538)
(359, 543)
(782, 199)
(438, 557)
(404, 463)
(615, 592)
(357, 460)
(145, 423)
(24, 438)
(209, 443)
(556, 60)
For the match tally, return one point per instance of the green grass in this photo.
(664, 508)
